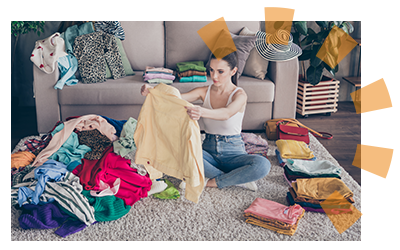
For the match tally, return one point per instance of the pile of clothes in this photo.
(274, 216)
(78, 174)
(192, 71)
(158, 75)
(315, 195)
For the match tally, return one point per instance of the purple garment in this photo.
(254, 144)
(149, 76)
(49, 216)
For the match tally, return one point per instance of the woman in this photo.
(226, 162)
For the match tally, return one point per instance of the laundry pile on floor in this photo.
(79, 174)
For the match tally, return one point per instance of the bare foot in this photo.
(211, 183)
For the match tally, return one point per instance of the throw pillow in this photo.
(125, 61)
(244, 44)
(256, 66)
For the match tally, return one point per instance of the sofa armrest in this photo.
(285, 76)
(46, 99)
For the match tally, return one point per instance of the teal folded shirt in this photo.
(193, 78)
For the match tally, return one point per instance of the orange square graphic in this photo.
(366, 159)
(336, 46)
(341, 221)
(371, 97)
(217, 37)
(278, 19)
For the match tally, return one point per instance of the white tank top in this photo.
(232, 126)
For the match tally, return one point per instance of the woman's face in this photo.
(220, 72)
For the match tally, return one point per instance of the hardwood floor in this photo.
(345, 125)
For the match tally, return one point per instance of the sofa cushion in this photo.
(126, 91)
(144, 43)
(183, 43)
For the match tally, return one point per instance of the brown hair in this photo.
(232, 61)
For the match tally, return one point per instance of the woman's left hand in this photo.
(194, 112)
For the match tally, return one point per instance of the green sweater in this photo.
(194, 65)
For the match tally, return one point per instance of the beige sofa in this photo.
(163, 44)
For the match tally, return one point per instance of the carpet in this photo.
(217, 217)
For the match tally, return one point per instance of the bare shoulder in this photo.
(240, 93)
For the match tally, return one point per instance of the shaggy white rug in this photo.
(217, 217)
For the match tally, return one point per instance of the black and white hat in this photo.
(277, 47)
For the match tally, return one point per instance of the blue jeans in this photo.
(226, 160)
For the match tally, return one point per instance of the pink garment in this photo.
(149, 76)
(275, 211)
(94, 173)
(86, 122)
(159, 69)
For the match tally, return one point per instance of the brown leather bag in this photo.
(270, 127)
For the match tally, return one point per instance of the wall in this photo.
(22, 72)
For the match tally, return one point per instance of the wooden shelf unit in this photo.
(322, 98)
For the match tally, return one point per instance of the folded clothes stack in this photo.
(158, 75)
(315, 195)
(291, 149)
(193, 71)
(274, 216)
(302, 169)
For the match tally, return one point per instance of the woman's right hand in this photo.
(145, 89)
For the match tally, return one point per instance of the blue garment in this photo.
(50, 171)
(226, 160)
(67, 65)
(70, 151)
(72, 32)
(194, 78)
(117, 124)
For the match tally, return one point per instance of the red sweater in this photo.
(110, 167)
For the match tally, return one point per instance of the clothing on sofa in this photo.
(191, 73)
(110, 27)
(190, 65)
(74, 31)
(193, 78)
(68, 65)
(47, 51)
(93, 51)
(158, 70)
(149, 76)
(168, 141)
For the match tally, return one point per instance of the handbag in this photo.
(294, 130)
(286, 131)
(271, 127)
